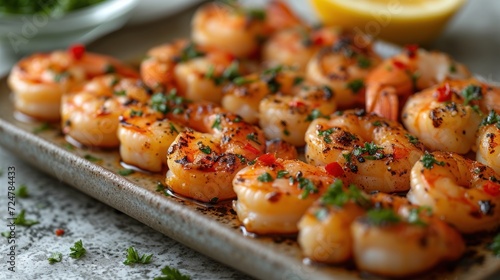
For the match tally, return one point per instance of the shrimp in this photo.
(488, 139)
(445, 117)
(288, 117)
(281, 149)
(273, 194)
(296, 46)
(244, 95)
(375, 153)
(324, 234)
(39, 81)
(203, 163)
(195, 73)
(90, 114)
(465, 193)
(145, 135)
(396, 239)
(343, 67)
(393, 81)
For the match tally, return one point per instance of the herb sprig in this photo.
(133, 257)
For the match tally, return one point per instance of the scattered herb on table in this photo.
(133, 257)
(168, 273)
(20, 220)
(77, 251)
(55, 257)
(22, 191)
(7, 234)
(41, 128)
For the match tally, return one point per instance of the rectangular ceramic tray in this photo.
(214, 230)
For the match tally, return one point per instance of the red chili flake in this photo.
(251, 149)
(491, 188)
(443, 93)
(77, 51)
(398, 64)
(334, 169)
(59, 232)
(296, 103)
(411, 50)
(318, 40)
(267, 159)
(399, 153)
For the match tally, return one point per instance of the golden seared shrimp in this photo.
(324, 234)
(375, 153)
(343, 67)
(396, 239)
(39, 80)
(243, 95)
(288, 117)
(296, 46)
(465, 193)
(273, 194)
(203, 164)
(145, 135)
(90, 114)
(196, 74)
(393, 81)
(488, 141)
(445, 117)
(281, 149)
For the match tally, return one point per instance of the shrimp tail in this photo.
(383, 101)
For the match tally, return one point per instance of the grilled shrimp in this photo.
(488, 140)
(390, 84)
(375, 153)
(465, 193)
(446, 117)
(90, 114)
(203, 163)
(296, 46)
(273, 193)
(239, 30)
(196, 74)
(288, 116)
(145, 135)
(343, 67)
(243, 95)
(398, 240)
(39, 81)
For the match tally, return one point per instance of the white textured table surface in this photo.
(473, 37)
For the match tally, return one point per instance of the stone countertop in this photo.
(473, 37)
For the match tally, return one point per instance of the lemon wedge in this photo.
(397, 21)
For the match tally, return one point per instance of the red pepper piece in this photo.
(398, 64)
(334, 169)
(443, 93)
(251, 149)
(267, 159)
(77, 51)
(411, 50)
(59, 232)
(492, 188)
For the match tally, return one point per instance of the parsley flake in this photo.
(120, 92)
(253, 137)
(325, 134)
(265, 178)
(217, 122)
(55, 257)
(41, 128)
(77, 251)
(307, 186)
(471, 93)
(125, 172)
(355, 85)
(316, 113)
(381, 217)
(281, 174)
(22, 191)
(364, 62)
(20, 220)
(91, 158)
(133, 257)
(204, 148)
(337, 196)
(412, 139)
(495, 245)
(189, 52)
(168, 273)
(428, 161)
(492, 118)
(414, 215)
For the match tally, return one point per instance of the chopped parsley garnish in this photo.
(316, 113)
(168, 273)
(471, 93)
(239, 81)
(364, 62)
(325, 134)
(281, 174)
(20, 220)
(22, 191)
(414, 215)
(381, 217)
(257, 14)
(237, 119)
(55, 257)
(137, 113)
(189, 52)
(172, 128)
(371, 149)
(453, 68)
(204, 148)
(162, 188)
(213, 200)
(41, 128)
(297, 80)
(428, 161)
(337, 196)
(265, 178)
(217, 122)
(120, 92)
(492, 118)
(253, 137)
(133, 257)
(77, 251)
(125, 172)
(377, 123)
(242, 158)
(60, 76)
(109, 68)
(307, 187)
(495, 245)
(286, 132)
(412, 139)
(231, 73)
(91, 158)
(355, 85)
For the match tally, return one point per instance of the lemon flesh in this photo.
(397, 21)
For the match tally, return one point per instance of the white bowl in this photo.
(22, 34)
